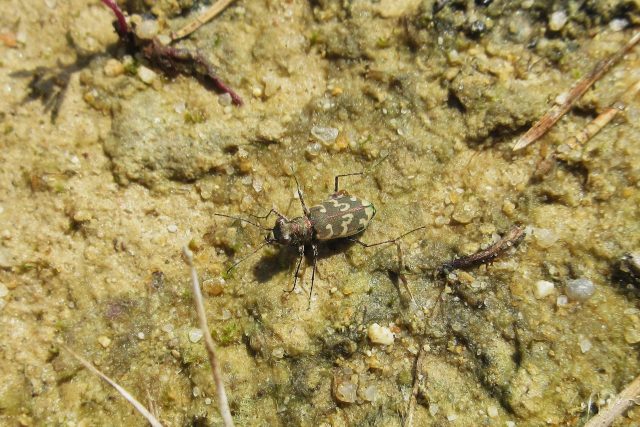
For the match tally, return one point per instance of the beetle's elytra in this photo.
(340, 216)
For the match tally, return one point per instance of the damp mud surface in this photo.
(109, 167)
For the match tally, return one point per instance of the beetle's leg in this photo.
(295, 276)
(304, 207)
(337, 177)
(368, 245)
(401, 276)
(314, 247)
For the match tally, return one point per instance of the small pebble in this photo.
(452, 417)
(580, 289)
(370, 393)
(562, 300)
(271, 85)
(147, 29)
(433, 409)
(196, 391)
(618, 24)
(224, 99)
(180, 107)
(584, 343)
(345, 391)
(492, 411)
(380, 334)
(21, 37)
(104, 341)
(313, 150)
(164, 39)
(545, 238)
(207, 401)
(510, 424)
(278, 352)
(326, 135)
(140, 335)
(113, 68)
(4, 291)
(258, 184)
(195, 335)
(147, 75)
(558, 20)
(543, 289)
(172, 228)
(632, 335)
(213, 287)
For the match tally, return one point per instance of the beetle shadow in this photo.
(286, 258)
(273, 263)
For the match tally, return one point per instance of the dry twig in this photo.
(557, 111)
(124, 393)
(199, 21)
(628, 397)
(223, 403)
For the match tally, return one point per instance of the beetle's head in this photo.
(281, 233)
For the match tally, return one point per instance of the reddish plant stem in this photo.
(176, 60)
(170, 59)
(123, 27)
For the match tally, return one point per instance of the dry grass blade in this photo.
(223, 403)
(139, 407)
(199, 21)
(603, 118)
(557, 111)
(594, 126)
(417, 380)
(628, 397)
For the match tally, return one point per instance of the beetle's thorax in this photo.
(294, 232)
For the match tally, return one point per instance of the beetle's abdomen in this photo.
(341, 216)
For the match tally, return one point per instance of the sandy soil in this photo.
(426, 98)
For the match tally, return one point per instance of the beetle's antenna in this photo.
(304, 206)
(375, 165)
(365, 172)
(337, 177)
(272, 211)
(245, 220)
(235, 264)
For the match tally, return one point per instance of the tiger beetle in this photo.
(341, 216)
